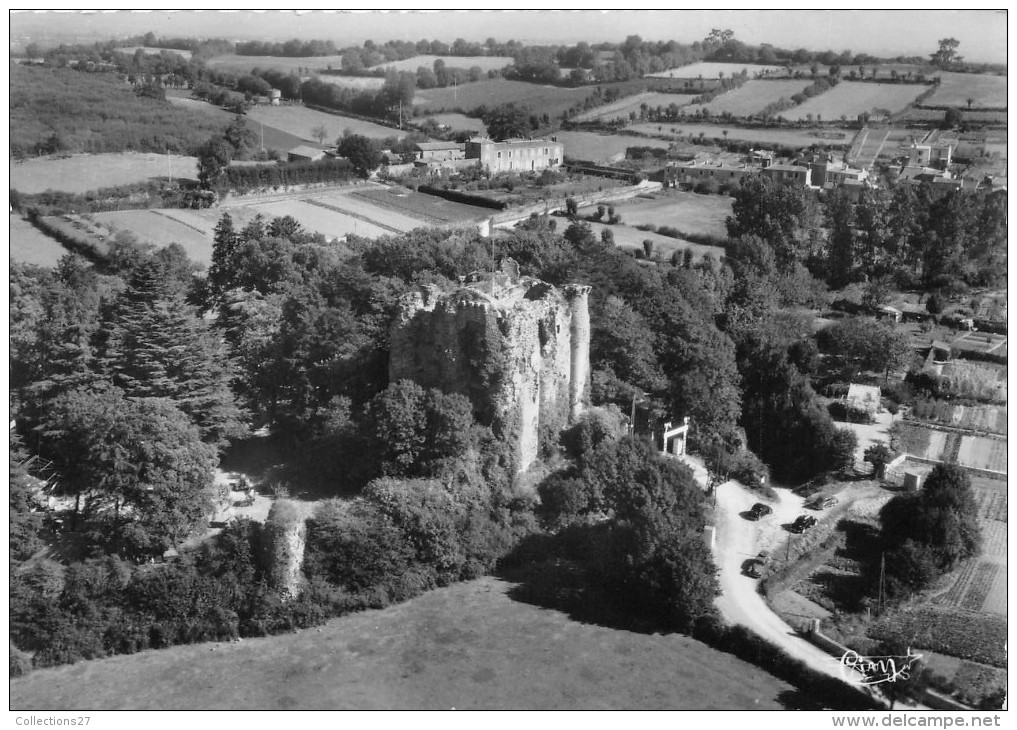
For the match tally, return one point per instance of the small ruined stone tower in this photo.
(517, 347)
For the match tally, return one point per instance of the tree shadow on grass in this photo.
(552, 571)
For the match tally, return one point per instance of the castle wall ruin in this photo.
(517, 347)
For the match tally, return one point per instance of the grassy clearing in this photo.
(486, 63)
(955, 90)
(469, 646)
(29, 245)
(301, 122)
(160, 228)
(426, 209)
(751, 97)
(688, 212)
(552, 100)
(785, 137)
(713, 70)
(849, 99)
(81, 173)
(982, 453)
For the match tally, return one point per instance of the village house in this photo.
(303, 153)
(438, 151)
(515, 155)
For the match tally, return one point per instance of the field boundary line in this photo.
(177, 220)
(359, 216)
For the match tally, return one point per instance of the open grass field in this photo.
(626, 105)
(301, 121)
(244, 64)
(351, 82)
(631, 239)
(470, 646)
(274, 139)
(850, 99)
(597, 147)
(486, 63)
(389, 219)
(713, 70)
(785, 137)
(29, 245)
(490, 92)
(688, 212)
(936, 115)
(955, 89)
(81, 173)
(751, 97)
(160, 228)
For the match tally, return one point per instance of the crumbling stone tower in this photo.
(517, 347)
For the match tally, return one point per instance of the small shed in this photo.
(941, 351)
(275, 97)
(888, 312)
(303, 153)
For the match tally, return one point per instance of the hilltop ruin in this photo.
(517, 347)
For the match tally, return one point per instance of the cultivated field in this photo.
(955, 90)
(850, 99)
(936, 115)
(628, 104)
(424, 209)
(274, 139)
(784, 137)
(469, 646)
(538, 99)
(980, 380)
(81, 173)
(329, 222)
(979, 418)
(301, 121)
(486, 63)
(751, 97)
(982, 453)
(688, 212)
(29, 245)
(244, 64)
(631, 239)
(597, 147)
(351, 82)
(712, 70)
(389, 220)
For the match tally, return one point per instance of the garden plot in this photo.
(849, 99)
(751, 97)
(983, 381)
(597, 147)
(29, 245)
(982, 453)
(959, 633)
(159, 229)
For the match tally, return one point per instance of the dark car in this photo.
(803, 523)
(759, 510)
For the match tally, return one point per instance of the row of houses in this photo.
(818, 171)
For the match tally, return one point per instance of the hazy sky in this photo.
(982, 33)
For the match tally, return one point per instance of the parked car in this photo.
(822, 503)
(803, 523)
(759, 510)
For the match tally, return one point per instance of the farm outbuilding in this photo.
(303, 153)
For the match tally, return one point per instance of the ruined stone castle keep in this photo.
(517, 347)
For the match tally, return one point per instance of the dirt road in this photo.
(738, 540)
